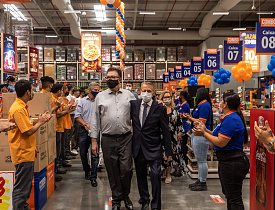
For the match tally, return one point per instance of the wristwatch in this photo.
(270, 146)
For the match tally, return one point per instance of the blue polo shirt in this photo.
(203, 112)
(184, 108)
(177, 102)
(231, 128)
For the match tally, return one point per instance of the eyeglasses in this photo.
(112, 77)
(148, 91)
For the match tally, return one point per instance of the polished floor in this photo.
(76, 193)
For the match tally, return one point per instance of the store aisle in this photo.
(76, 193)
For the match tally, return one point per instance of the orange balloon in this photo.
(104, 2)
(234, 69)
(242, 64)
(248, 69)
(117, 3)
(246, 77)
(241, 72)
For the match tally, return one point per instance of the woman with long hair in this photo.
(228, 138)
(202, 113)
(176, 130)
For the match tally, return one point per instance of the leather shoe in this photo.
(115, 207)
(58, 178)
(145, 206)
(94, 183)
(87, 175)
(65, 164)
(61, 171)
(128, 204)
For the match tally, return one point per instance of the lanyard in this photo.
(229, 113)
(182, 104)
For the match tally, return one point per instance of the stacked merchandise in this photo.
(24, 57)
(113, 51)
(40, 54)
(79, 53)
(23, 36)
(48, 54)
(182, 54)
(129, 55)
(159, 73)
(49, 70)
(160, 54)
(139, 72)
(138, 56)
(71, 73)
(105, 68)
(172, 54)
(71, 54)
(128, 73)
(151, 71)
(82, 76)
(94, 76)
(60, 72)
(60, 53)
(150, 54)
(106, 54)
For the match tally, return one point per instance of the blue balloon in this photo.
(273, 72)
(224, 76)
(272, 57)
(228, 74)
(222, 71)
(220, 81)
(267, 87)
(217, 75)
(110, 5)
(227, 81)
(272, 61)
(270, 67)
(215, 79)
(192, 82)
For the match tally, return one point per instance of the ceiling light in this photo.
(264, 13)
(100, 12)
(14, 12)
(72, 12)
(108, 28)
(147, 13)
(239, 29)
(51, 36)
(40, 27)
(84, 13)
(184, 29)
(176, 29)
(220, 13)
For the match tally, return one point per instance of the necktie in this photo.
(144, 113)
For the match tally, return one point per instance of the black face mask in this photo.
(94, 93)
(67, 93)
(112, 83)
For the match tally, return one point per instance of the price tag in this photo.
(197, 65)
(211, 60)
(232, 53)
(186, 69)
(265, 32)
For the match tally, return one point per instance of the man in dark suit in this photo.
(149, 119)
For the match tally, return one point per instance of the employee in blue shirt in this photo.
(202, 113)
(184, 107)
(228, 138)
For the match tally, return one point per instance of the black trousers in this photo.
(117, 154)
(233, 167)
(184, 148)
(58, 150)
(155, 175)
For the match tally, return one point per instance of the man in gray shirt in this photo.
(83, 116)
(112, 115)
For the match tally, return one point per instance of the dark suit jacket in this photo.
(148, 136)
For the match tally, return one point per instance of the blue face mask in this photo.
(94, 93)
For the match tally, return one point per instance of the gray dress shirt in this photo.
(111, 113)
(142, 108)
(85, 109)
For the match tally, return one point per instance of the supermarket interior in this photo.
(137, 104)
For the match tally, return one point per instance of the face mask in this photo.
(112, 83)
(32, 95)
(129, 88)
(220, 109)
(146, 97)
(167, 101)
(66, 94)
(94, 93)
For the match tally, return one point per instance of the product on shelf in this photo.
(159, 73)
(139, 72)
(172, 54)
(24, 57)
(150, 71)
(113, 53)
(150, 54)
(82, 76)
(41, 58)
(128, 72)
(94, 76)
(60, 53)
(182, 53)
(71, 73)
(160, 54)
(49, 70)
(79, 54)
(49, 54)
(129, 55)
(23, 36)
(106, 54)
(138, 55)
(105, 68)
(60, 72)
(71, 54)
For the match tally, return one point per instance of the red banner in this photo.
(33, 62)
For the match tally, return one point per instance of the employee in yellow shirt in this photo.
(23, 144)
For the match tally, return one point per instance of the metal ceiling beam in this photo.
(135, 15)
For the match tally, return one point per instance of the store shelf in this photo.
(212, 173)
(191, 159)
(189, 147)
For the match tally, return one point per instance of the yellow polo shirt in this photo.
(44, 91)
(22, 147)
(60, 120)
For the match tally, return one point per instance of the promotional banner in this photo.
(166, 85)
(265, 32)
(9, 53)
(6, 188)
(33, 62)
(211, 60)
(91, 52)
(250, 51)
(172, 82)
(186, 69)
(233, 51)
(178, 72)
(197, 65)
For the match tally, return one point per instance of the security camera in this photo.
(253, 7)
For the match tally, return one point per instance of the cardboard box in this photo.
(51, 149)
(50, 179)
(5, 159)
(40, 103)
(41, 161)
(49, 70)
(4, 139)
(48, 54)
(51, 127)
(41, 135)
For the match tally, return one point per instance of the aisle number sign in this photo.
(186, 69)
(211, 60)
(6, 188)
(250, 50)
(197, 65)
(265, 43)
(166, 81)
(178, 72)
(172, 82)
(233, 51)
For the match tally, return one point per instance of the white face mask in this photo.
(167, 101)
(146, 97)
(129, 88)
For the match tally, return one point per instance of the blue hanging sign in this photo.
(211, 60)
(265, 33)
(197, 65)
(232, 51)
(186, 69)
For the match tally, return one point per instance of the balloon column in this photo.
(120, 36)
(271, 65)
(242, 71)
(265, 83)
(204, 80)
(192, 81)
(222, 76)
(111, 3)
(183, 83)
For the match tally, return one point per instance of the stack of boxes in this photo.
(82, 76)
(48, 54)
(172, 54)
(71, 73)
(71, 54)
(105, 68)
(113, 53)
(60, 72)
(129, 56)
(79, 54)
(128, 73)
(94, 76)
(106, 54)
(159, 73)
(182, 53)
(49, 70)
(138, 56)
(40, 54)
(43, 182)
(160, 54)
(151, 71)
(150, 54)
(23, 36)
(139, 71)
(60, 53)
